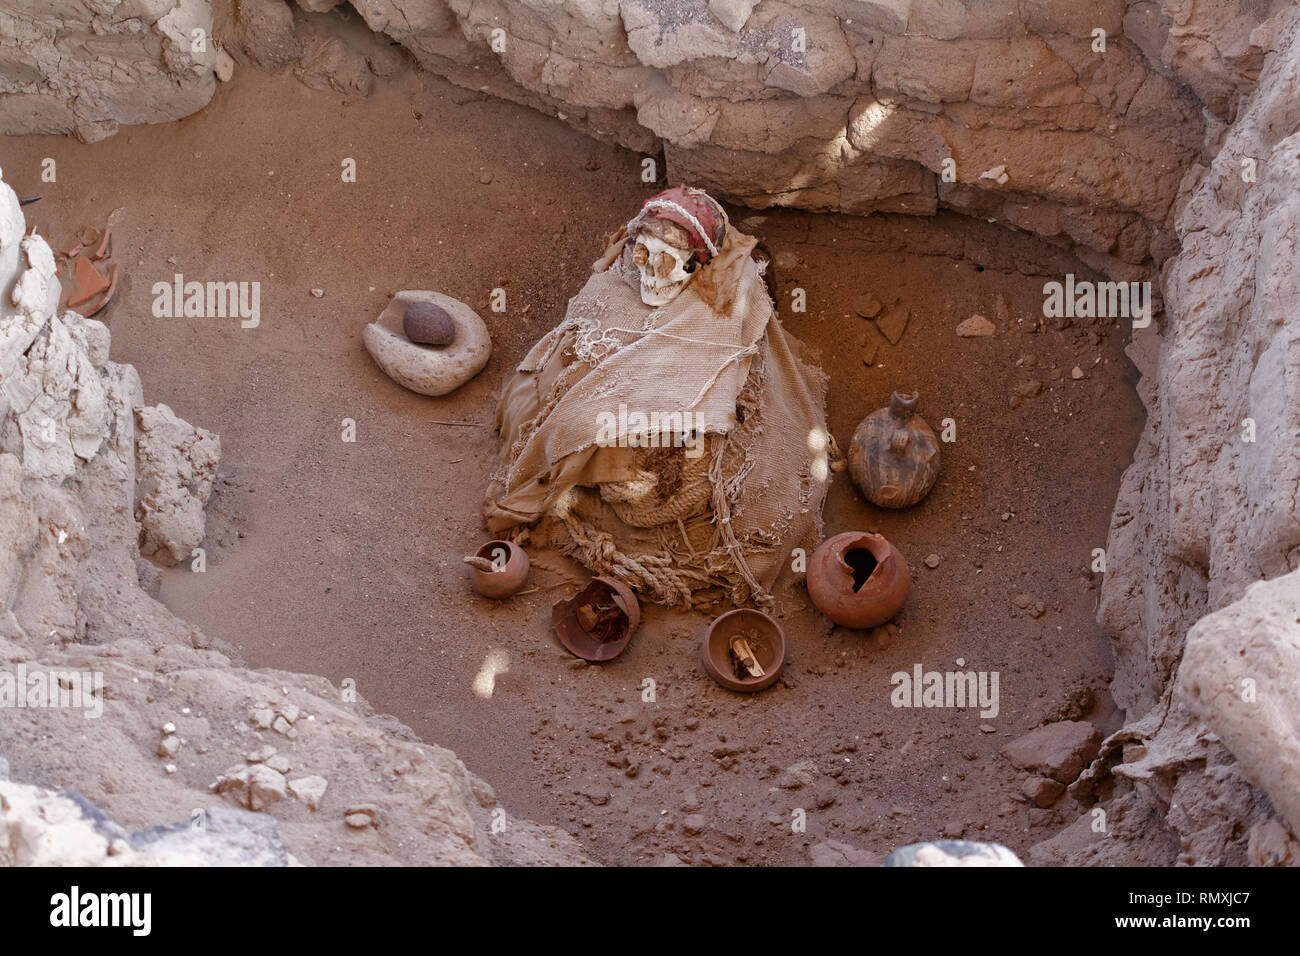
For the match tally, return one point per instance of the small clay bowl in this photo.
(508, 580)
(601, 596)
(715, 649)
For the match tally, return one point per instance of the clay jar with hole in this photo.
(511, 577)
(769, 649)
(858, 579)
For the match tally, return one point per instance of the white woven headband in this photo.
(669, 204)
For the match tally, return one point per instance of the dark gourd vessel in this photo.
(894, 457)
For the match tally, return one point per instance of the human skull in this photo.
(665, 268)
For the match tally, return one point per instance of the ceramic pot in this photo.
(858, 579)
(764, 642)
(894, 456)
(509, 575)
(597, 622)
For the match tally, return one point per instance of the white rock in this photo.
(998, 174)
(977, 326)
(953, 853)
(279, 763)
(224, 66)
(265, 786)
(1239, 676)
(732, 13)
(310, 790)
(837, 853)
(176, 464)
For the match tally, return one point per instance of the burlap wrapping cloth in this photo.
(681, 450)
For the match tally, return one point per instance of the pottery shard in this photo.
(426, 323)
(867, 306)
(977, 326)
(893, 324)
(1059, 750)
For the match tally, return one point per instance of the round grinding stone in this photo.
(428, 324)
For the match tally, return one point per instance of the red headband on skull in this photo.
(694, 211)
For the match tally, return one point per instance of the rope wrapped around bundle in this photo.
(680, 449)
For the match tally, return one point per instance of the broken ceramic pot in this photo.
(498, 569)
(894, 457)
(744, 650)
(597, 622)
(858, 579)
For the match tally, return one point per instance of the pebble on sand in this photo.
(224, 66)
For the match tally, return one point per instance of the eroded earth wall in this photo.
(86, 66)
(1207, 657)
(1073, 121)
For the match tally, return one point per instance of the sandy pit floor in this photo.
(343, 559)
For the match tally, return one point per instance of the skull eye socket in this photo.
(640, 254)
(666, 265)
